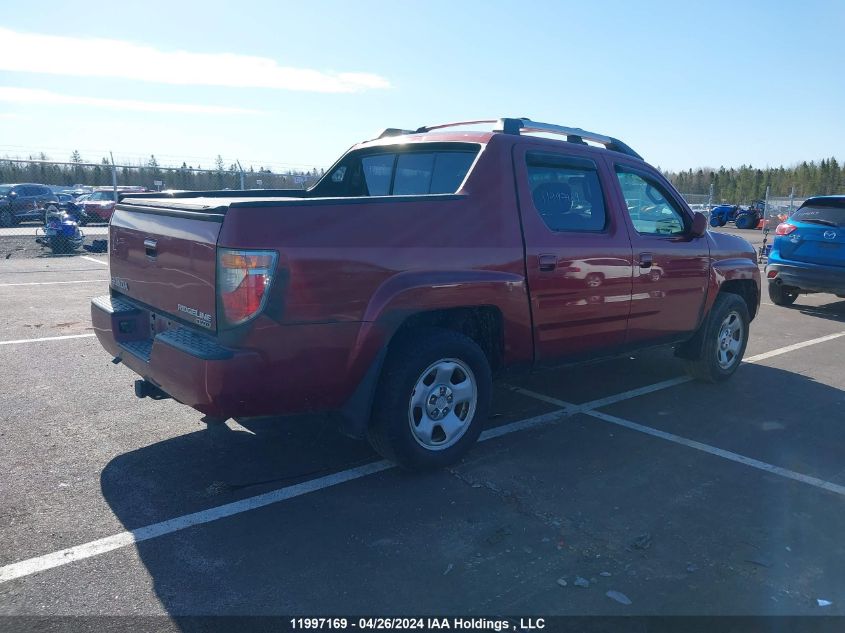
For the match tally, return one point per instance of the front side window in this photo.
(566, 192)
(652, 211)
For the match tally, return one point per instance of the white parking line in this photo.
(792, 348)
(155, 530)
(110, 543)
(665, 384)
(123, 539)
(720, 452)
(52, 283)
(571, 409)
(46, 338)
(93, 259)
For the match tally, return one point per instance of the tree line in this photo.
(730, 184)
(147, 173)
(746, 183)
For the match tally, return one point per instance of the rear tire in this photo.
(427, 372)
(723, 340)
(782, 295)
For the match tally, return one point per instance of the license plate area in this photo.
(160, 323)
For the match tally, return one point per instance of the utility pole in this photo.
(241, 170)
(764, 251)
(710, 196)
(113, 176)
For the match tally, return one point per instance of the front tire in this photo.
(432, 399)
(6, 219)
(723, 340)
(782, 295)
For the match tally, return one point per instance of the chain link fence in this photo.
(775, 209)
(63, 208)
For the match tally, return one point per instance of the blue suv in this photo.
(808, 252)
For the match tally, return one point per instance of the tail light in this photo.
(785, 228)
(243, 283)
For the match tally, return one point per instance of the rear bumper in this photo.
(285, 370)
(192, 368)
(808, 277)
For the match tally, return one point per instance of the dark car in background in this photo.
(25, 201)
(808, 252)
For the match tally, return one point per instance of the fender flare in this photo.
(415, 292)
(721, 271)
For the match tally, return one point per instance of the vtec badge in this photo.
(200, 318)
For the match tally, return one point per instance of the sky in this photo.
(294, 84)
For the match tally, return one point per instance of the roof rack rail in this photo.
(507, 125)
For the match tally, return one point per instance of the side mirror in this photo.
(699, 224)
(13, 194)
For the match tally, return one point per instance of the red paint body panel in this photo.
(351, 270)
(101, 210)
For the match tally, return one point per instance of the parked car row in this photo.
(25, 202)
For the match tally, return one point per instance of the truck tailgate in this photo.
(164, 255)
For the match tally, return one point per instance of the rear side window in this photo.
(566, 192)
(821, 214)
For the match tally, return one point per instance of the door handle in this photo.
(646, 260)
(547, 263)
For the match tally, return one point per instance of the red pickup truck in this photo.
(423, 263)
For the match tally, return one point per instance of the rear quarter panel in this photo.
(358, 267)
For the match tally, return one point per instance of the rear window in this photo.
(378, 171)
(821, 214)
(416, 173)
(432, 169)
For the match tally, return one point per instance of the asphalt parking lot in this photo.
(619, 476)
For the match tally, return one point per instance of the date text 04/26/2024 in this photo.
(410, 624)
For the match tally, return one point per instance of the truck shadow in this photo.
(337, 553)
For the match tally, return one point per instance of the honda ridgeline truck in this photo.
(423, 263)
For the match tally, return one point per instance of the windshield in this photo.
(821, 214)
(4, 189)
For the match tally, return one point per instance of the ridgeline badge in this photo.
(200, 318)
